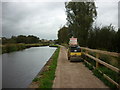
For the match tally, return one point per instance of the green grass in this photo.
(65, 44)
(100, 76)
(53, 45)
(47, 76)
(91, 61)
(90, 67)
(108, 59)
(12, 47)
(113, 75)
(35, 79)
(92, 53)
(16, 47)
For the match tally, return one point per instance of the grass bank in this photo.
(53, 45)
(45, 78)
(115, 61)
(16, 47)
(112, 60)
(113, 75)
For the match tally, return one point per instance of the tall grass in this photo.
(112, 74)
(16, 47)
(100, 76)
(12, 47)
(108, 59)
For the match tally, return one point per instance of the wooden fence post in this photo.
(86, 51)
(97, 64)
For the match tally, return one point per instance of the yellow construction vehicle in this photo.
(74, 50)
(74, 53)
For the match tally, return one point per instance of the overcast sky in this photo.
(107, 13)
(43, 19)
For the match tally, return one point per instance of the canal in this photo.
(20, 68)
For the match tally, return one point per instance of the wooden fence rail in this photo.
(103, 63)
(114, 54)
(98, 61)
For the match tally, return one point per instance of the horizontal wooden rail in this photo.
(89, 63)
(98, 61)
(104, 75)
(103, 63)
(109, 79)
(102, 52)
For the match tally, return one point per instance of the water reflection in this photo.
(19, 68)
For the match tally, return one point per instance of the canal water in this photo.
(20, 68)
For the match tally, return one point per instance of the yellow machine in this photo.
(74, 53)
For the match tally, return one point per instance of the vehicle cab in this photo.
(74, 53)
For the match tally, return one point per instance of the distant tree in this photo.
(4, 40)
(13, 39)
(56, 41)
(118, 41)
(63, 35)
(32, 39)
(21, 39)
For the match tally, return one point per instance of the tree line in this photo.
(21, 39)
(80, 19)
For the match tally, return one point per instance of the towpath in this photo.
(74, 75)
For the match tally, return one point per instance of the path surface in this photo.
(74, 75)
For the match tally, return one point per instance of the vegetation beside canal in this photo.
(113, 75)
(16, 47)
(53, 45)
(45, 78)
(101, 71)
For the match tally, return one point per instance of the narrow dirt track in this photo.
(74, 75)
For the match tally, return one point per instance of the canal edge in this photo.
(35, 84)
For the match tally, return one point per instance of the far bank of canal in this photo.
(20, 68)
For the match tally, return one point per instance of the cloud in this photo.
(119, 14)
(43, 19)
(107, 13)
(39, 19)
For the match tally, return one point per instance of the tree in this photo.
(118, 40)
(4, 40)
(80, 16)
(102, 38)
(32, 39)
(63, 35)
(21, 39)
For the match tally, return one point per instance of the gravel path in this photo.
(74, 75)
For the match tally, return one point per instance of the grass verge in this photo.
(16, 47)
(46, 77)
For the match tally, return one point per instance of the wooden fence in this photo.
(98, 61)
